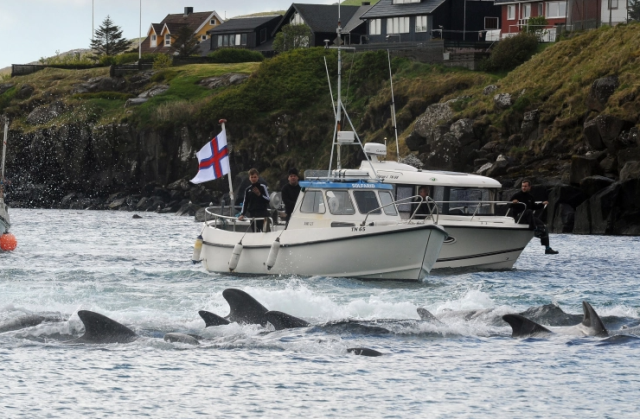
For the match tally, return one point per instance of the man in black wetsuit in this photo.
(256, 200)
(290, 192)
(523, 201)
(422, 207)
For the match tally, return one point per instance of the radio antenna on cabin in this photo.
(393, 108)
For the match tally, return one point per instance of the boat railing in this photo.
(477, 204)
(413, 201)
(226, 220)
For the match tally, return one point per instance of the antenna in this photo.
(393, 108)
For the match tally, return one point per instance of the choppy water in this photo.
(139, 273)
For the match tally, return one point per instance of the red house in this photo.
(515, 15)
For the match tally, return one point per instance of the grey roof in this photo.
(324, 17)
(386, 8)
(355, 20)
(511, 1)
(246, 24)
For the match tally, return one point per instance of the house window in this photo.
(421, 23)
(203, 37)
(405, 1)
(212, 22)
(220, 40)
(556, 9)
(167, 40)
(238, 39)
(612, 4)
(375, 27)
(154, 41)
(263, 35)
(398, 25)
(297, 19)
(511, 12)
(526, 11)
(540, 12)
(491, 23)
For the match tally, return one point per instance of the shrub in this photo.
(536, 25)
(235, 55)
(162, 61)
(511, 52)
(107, 60)
(104, 95)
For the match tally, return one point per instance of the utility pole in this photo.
(140, 35)
(93, 32)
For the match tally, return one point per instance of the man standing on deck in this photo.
(256, 200)
(524, 202)
(290, 192)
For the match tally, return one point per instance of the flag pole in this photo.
(232, 198)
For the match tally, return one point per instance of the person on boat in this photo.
(290, 192)
(256, 200)
(525, 204)
(421, 206)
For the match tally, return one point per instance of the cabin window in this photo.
(526, 11)
(238, 39)
(154, 40)
(491, 23)
(367, 202)
(297, 19)
(556, 9)
(469, 201)
(339, 203)
(421, 23)
(219, 41)
(243, 39)
(386, 199)
(312, 203)
(612, 4)
(212, 22)
(167, 39)
(404, 192)
(398, 25)
(375, 27)
(511, 12)
(263, 35)
(203, 37)
(540, 11)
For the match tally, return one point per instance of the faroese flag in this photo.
(213, 159)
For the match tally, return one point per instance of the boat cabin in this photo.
(455, 193)
(344, 204)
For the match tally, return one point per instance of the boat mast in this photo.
(339, 105)
(393, 108)
(4, 153)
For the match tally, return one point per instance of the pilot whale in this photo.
(244, 309)
(28, 321)
(591, 325)
(99, 329)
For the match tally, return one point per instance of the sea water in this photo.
(139, 272)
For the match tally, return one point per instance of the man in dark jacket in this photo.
(524, 203)
(256, 200)
(421, 206)
(290, 192)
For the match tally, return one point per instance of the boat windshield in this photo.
(340, 203)
(366, 201)
(451, 200)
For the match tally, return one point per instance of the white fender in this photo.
(197, 249)
(273, 254)
(235, 256)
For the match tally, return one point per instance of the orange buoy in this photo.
(8, 242)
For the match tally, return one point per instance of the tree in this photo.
(108, 39)
(184, 42)
(292, 37)
(536, 25)
(634, 10)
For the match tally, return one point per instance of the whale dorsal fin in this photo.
(426, 315)
(244, 308)
(211, 319)
(281, 320)
(101, 329)
(592, 321)
(523, 327)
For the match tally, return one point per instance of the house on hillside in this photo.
(159, 37)
(422, 20)
(515, 15)
(613, 12)
(323, 21)
(254, 33)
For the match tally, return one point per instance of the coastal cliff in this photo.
(567, 119)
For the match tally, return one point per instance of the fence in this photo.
(25, 69)
(429, 52)
(124, 69)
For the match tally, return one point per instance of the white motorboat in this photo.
(478, 238)
(339, 228)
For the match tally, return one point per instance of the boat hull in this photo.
(481, 247)
(398, 252)
(4, 218)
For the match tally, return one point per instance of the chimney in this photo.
(188, 11)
